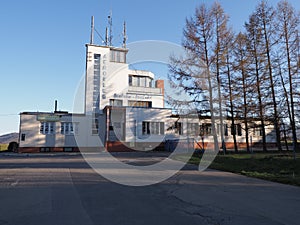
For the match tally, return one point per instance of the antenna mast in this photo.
(110, 29)
(92, 31)
(124, 35)
(106, 36)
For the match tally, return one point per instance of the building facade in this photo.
(124, 110)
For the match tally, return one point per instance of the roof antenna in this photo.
(106, 36)
(92, 31)
(124, 35)
(110, 28)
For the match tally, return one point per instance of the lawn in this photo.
(278, 167)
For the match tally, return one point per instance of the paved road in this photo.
(63, 190)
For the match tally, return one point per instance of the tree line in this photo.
(252, 74)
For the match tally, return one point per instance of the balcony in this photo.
(145, 90)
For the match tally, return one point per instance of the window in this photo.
(206, 129)
(68, 149)
(96, 81)
(140, 81)
(193, 129)
(257, 131)
(45, 149)
(239, 129)
(236, 129)
(178, 128)
(23, 137)
(140, 104)
(47, 127)
(117, 56)
(130, 80)
(95, 126)
(225, 129)
(157, 128)
(149, 82)
(115, 102)
(69, 128)
(146, 127)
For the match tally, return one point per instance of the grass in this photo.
(3, 147)
(276, 167)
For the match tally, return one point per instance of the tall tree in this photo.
(288, 24)
(255, 49)
(222, 44)
(230, 86)
(192, 71)
(266, 20)
(244, 85)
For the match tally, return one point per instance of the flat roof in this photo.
(61, 113)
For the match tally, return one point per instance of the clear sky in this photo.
(42, 43)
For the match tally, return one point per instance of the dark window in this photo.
(239, 129)
(236, 129)
(146, 127)
(225, 129)
(23, 137)
(206, 129)
(68, 149)
(130, 80)
(233, 129)
(45, 149)
(178, 128)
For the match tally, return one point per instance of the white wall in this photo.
(30, 126)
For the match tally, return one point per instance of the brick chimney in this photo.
(160, 84)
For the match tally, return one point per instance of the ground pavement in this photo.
(63, 189)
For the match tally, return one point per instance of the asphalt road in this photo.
(63, 190)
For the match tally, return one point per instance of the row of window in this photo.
(148, 128)
(143, 104)
(140, 81)
(96, 82)
(157, 128)
(117, 56)
(205, 129)
(66, 128)
(117, 102)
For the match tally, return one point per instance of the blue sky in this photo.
(42, 43)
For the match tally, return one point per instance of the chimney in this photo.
(55, 106)
(160, 84)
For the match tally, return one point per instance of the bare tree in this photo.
(266, 20)
(288, 25)
(244, 84)
(192, 71)
(221, 49)
(255, 50)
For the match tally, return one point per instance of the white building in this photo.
(123, 110)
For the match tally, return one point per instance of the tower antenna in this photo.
(92, 31)
(110, 24)
(124, 35)
(106, 36)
